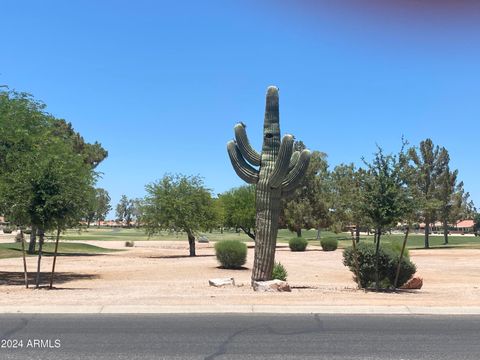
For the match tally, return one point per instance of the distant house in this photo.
(465, 226)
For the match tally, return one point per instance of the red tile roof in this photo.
(465, 224)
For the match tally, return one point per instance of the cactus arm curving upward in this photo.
(294, 160)
(296, 174)
(241, 167)
(283, 161)
(244, 146)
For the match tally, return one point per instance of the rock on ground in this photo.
(271, 286)
(221, 282)
(413, 283)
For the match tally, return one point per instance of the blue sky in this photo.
(161, 84)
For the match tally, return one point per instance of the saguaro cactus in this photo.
(280, 172)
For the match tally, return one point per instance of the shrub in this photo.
(279, 272)
(129, 243)
(27, 231)
(329, 244)
(7, 230)
(387, 266)
(231, 254)
(297, 244)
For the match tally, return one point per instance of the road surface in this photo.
(239, 337)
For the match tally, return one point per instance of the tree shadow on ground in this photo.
(176, 256)
(17, 278)
(234, 269)
(51, 253)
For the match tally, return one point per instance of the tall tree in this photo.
(239, 209)
(103, 206)
(430, 163)
(124, 210)
(181, 203)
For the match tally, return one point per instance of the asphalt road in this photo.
(249, 336)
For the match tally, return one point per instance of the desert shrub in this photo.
(279, 272)
(231, 254)
(387, 265)
(129, 243)
(329, 244)
(297, 244)
(7, 230)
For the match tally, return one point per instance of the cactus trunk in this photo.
(279, 174)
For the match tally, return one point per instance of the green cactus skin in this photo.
(280, 172)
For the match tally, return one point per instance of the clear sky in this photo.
(161, 83)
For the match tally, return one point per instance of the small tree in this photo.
(239, 209)
(178, 202)
(384, 196)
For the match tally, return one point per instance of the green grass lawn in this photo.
(120, 234)
(9, 250)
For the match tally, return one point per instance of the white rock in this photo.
(221, 282)
(271, 286)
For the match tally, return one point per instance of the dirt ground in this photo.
(161, 273)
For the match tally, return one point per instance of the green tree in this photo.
(124, 210)
(137, 211)
(384, 196)
(347, 191)
(476, 226)
(430, 163)
(103, 206)
(181, 203)
(308, 206)
(239, 209)
(44, 183)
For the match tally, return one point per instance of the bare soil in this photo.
(162, 273)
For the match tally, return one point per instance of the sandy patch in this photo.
(161, 273)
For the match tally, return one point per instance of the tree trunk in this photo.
(357, 233)
(25, 272)
(299, 232)
(54, 257)
(357, 267)
(248, 232)
(40, 247)
(318, 233)
(191, 242)
(427, 233)
(33, 240)
(377, 251)
(268, 212)
(401, 256)
(445, 232)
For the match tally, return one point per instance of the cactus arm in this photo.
(241, 167)
(244, 146)
(294, 177)
(293, 160)
(282, 162)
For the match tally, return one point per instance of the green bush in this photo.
(231, 254)
(387, 266)
(7, 230)
(329, 244)
(297, 244)
(279, 272)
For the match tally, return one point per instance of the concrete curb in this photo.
(239, 309)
